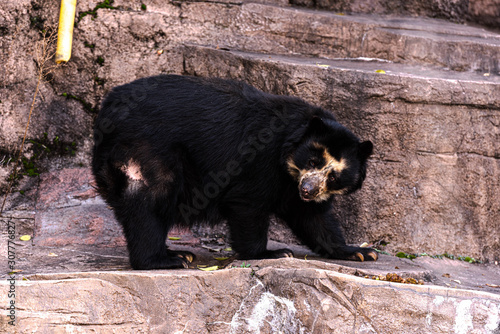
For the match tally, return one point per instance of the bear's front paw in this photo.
(363, 254)
(188, 256)
(279, 253)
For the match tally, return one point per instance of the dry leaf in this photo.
(212, 268)
(380, 71)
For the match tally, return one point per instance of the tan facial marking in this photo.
(318, 146)
(319, 176)
(332, 163)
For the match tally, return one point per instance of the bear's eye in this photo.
(313, 163)
(331, 177)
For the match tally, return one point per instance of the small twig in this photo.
(43, 53)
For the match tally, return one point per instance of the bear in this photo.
(173, 150)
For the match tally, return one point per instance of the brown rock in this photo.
(69, 212)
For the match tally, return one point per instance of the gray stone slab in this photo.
(260, 27)
(270, 29)
(486, 12)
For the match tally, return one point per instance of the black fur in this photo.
(184, 150)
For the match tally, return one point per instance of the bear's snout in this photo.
(309, 189)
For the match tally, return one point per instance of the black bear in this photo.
(182, 150)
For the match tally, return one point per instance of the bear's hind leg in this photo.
(146, 234)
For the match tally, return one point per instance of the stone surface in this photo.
(287, 296)
(270, 29)
(485, 12)
(69, 212)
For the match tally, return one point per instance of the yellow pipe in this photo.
(65, 30)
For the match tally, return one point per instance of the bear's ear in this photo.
(316, 126)
(365, 149)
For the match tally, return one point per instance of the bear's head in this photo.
(328, 160)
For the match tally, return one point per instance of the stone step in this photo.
(258, 27)
(420, 84)
(272, 296)
(436, 167)
(482, 12)
(486, 12)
